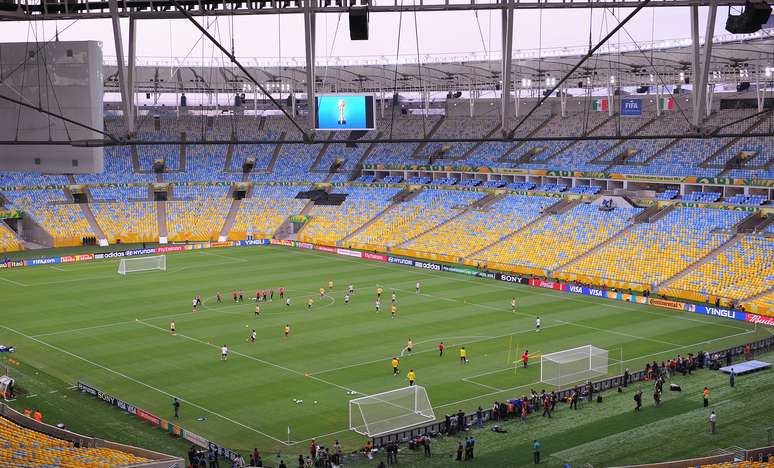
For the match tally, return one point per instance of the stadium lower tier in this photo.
(20, 446)
(687, 252)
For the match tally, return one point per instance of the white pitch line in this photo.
(140, 382)
(58, 269)
(468, 380)
(603, 330)
(253, 358)
(14, 282)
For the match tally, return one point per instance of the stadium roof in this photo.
(735, 58)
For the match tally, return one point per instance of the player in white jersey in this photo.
(351, 288)
(394, 298)
(223, 353)
(537, 324)
(252, 336)
(418, 286)
(378, 305)
(346, 298)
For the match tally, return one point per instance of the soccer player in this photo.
(271, 295)
(537, 324)
(418, 287)
(378, 305)
(395, 363)
(287, 330)
(252, 336)
(258, 296)
(257, 310)
(346, 298)
(309, 303)
(217, 297)
(223, 353)
(322, 292)
(393, 311)
(463, 355)
(412, 377)
(379, 291)
(234, 295)
(330, 284)
(287, 302)
(173, 327)
(198, 300)
(410, 345)
(194, 304)
(441, 347)
(351, 288)
(525, 358)
(394, 298)
(241, 296)
(282, 293)
(513, 304)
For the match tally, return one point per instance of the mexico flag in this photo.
(599, 105)
(666, 103)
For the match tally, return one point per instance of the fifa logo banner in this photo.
(631, 107)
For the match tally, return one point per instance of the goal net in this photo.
(573, 365)
(391, 411)
(131, 265)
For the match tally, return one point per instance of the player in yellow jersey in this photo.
(395, 363)
(309, 303)
(322, 292)
(379, 291)
(513, 304)
(287, 330)
(173, 327)
(394, 310)
(412, 377)
(330, 284)
(463, 355)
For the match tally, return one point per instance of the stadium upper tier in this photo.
(20, 446)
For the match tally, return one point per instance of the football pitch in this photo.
(86, 322)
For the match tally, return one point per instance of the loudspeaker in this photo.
(158, 166)
(643, 89)
(743, 86)
(157, 123)
(754, 16)
(248, 165)
(358, 24)
(183, 101)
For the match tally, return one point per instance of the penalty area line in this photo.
(140, 382)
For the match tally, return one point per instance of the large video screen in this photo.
(345, 112)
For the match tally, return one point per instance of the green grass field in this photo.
(86, 322)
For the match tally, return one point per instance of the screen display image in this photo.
(345, 112)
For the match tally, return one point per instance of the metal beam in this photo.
(130, 72)
(164, 9)
(122, 77)
(505, 75)
(701, 92)
(695, 65)
(309, 43)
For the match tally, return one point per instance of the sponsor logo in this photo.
(596, 292)
(86, 388)
(254, 242)
(67, 259)
(124, 406)
(323, 248)
(99, 256)
(400, 261)
(668, 304)
(763, 320)
(304, 245)
(349, 253)
(427, 266)
(170, 248)
(130, 253)
(195, 439)
(546, 284)
(43, 261)
(83, 258)
(112, 254)
(150, 417)
(377, 257)
(717, 312)
(510, 278)
(576, 289)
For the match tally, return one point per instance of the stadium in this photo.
(306, 233)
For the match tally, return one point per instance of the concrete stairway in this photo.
(275, 154)
(757, 296)
(506, 157)
(95, 228)
(403, 196)
(228, 223)
(593, 250)
(711, 255)
(285, 230)
(316, 163)
(514, 233)
(573, 143)
(421, 146)
(358, 170)
(161, 217)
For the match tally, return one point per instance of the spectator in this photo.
(732, 378)
(301, 461)
(176, 406)
(728, 357)
(638, 400)
(626, 377)
(459, 451)
(460, 420)
(706, 394)
(747, 352)
(546, 407)
(38, 416)
(713, 419)
(472, 446)
(467, 448)
(536, 452)
(282, 464)
(426, 444)
(480, 417)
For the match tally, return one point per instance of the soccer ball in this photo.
(315, 402)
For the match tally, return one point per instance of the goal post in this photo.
(131, 265)
(394, 410)
(573, 365)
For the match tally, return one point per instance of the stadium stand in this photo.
(329, 224)
(429, 208)
(119, 193)
(477, 228)
(200, 216)
(648, 254)
(127, 221)
(20, 446)
(64, 221)
(8, 240)
(556, 239)
(264, 212)
(742, 270)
